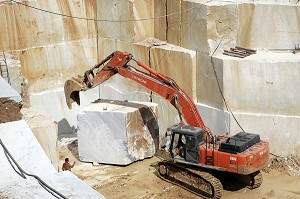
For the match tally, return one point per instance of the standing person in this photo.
(67, 166)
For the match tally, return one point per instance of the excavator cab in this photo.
(188, 139)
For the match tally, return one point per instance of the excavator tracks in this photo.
(200, 183)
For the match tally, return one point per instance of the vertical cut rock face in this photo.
(46, 132)
(115, 132)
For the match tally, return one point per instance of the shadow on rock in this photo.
(73, 147)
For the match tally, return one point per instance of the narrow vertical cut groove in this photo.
(149, 64)
(97, 45)
(180, 15)
(167, 24)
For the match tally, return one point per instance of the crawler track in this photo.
(199, 182)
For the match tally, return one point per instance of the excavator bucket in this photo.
(72, 88)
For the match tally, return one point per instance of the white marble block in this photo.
(115, 132)
(282, 31)
(46, 132)
(205, 23)
(117, 12)
(177, 63)
(8, 92)
(25, 149)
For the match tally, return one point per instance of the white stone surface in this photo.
(206, 87)
(116, 10)
(118, 87)
(176, 63)
(174, 21)
(27, 152)
(14, 70)
(282, 31)
(216, 120)
(65, 183)
(24, 27)
(160, 22)
(204, 23)
(116, 134)
(65, 59)
(25, 148)
(52, 103)
(8, 92)
(264, 83)
(46, 132)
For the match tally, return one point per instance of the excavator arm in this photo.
(117, 63)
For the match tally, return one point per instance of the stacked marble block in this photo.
(204, 25)
(116, 132)
(46, 132)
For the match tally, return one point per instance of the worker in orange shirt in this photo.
(67, 166)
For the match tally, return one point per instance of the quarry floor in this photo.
(138, 180)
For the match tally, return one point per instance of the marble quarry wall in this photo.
(183, 39)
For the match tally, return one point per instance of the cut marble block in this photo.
(45, 131)
(118, 133)
(177, 63)
(14, 70)
(204, 24)
(174, 22)
(281, 32)
(122, 10)
(264, 83)
(218, 121)
(47, 97)
(7, 92)
(139, 49)
(59, 60)
(118, 87)
(281, 131)
(167, 114)
(24, 147)
(207, 89)
(24, 27)
(65, 183)
(160, 23)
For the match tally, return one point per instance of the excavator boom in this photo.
(156, 82)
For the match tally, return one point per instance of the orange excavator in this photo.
(195, 153)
